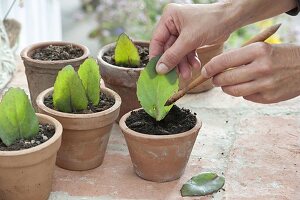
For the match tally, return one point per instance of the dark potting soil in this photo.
(109, 56)
(178, 120)
(46, 131)
(52, 52)
(105, 103)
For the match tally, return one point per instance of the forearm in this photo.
(243, 12)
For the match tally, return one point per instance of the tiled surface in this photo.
(256, 147)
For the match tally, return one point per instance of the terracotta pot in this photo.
(42, 74)
(121, 79)
(27, 174)
(159, 158)
(205, 54)
(85, 136)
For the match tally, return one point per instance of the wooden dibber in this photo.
(262, 36)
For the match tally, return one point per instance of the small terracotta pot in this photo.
(42, 74)
(27, 174)
(159, 158)
(85, 136)
(121, 79)
(205, 54)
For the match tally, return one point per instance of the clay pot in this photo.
(159, 158)
(27, 174)
(85, 136)
(205, 54)
(121, 79)
(42, 74)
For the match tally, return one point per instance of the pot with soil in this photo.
(160, 150)
(159, 137)
(86, 130)
(205, 54)
(27, 163)
(43, 60)
(122, 79)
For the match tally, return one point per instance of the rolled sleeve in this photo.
(296, 10)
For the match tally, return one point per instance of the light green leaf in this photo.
(90, 76)
(17, 117)
(69, 94)
(203, 184)
(153, 90)
(126, 52)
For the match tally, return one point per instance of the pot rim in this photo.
(41, 105)
(131, 132)
(24, 53)
(53, 139)
(111, 45)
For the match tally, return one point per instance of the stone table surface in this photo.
(255, 147)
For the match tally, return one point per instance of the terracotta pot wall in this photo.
(42, 74)
(85, 136)
(27, 174)
(159, 158)
(121, 79)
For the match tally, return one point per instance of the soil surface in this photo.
(105, 103)
(178, 120)
(52, 52)
(109, 57)
(46, 131)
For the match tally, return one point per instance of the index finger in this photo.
(159, 38)
(233, 58)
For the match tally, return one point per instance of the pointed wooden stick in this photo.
(262, 36)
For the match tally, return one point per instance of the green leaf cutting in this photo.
(69, 94)
(17, 117)
(153, 90)
(126, 52)
(90, 76)
(203, 184)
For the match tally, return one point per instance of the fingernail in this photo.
(162, 68)
(204, 72)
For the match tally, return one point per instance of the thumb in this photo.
(172, 56)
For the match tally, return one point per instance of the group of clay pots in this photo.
(84, 137)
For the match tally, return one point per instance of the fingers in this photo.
(170, 42)
(237, 57)
(173, 55)
(243, 89)
(159, 39)
(193, 60)
(185, 68)
(237, 75)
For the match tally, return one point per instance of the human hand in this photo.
(184, 28)
(261, 72)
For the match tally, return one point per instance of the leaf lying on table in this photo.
(203, 184)
(69, 94)
(126, 52)
(17, 117)
(90, 76)
(153, 90)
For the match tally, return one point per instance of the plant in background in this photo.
(136, 18)
(126, 52)
(17, 118)
(114, 18)
(153, 90)
(74, 92)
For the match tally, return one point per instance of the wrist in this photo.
(243, 12)
(289, 54)
(230, 17)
